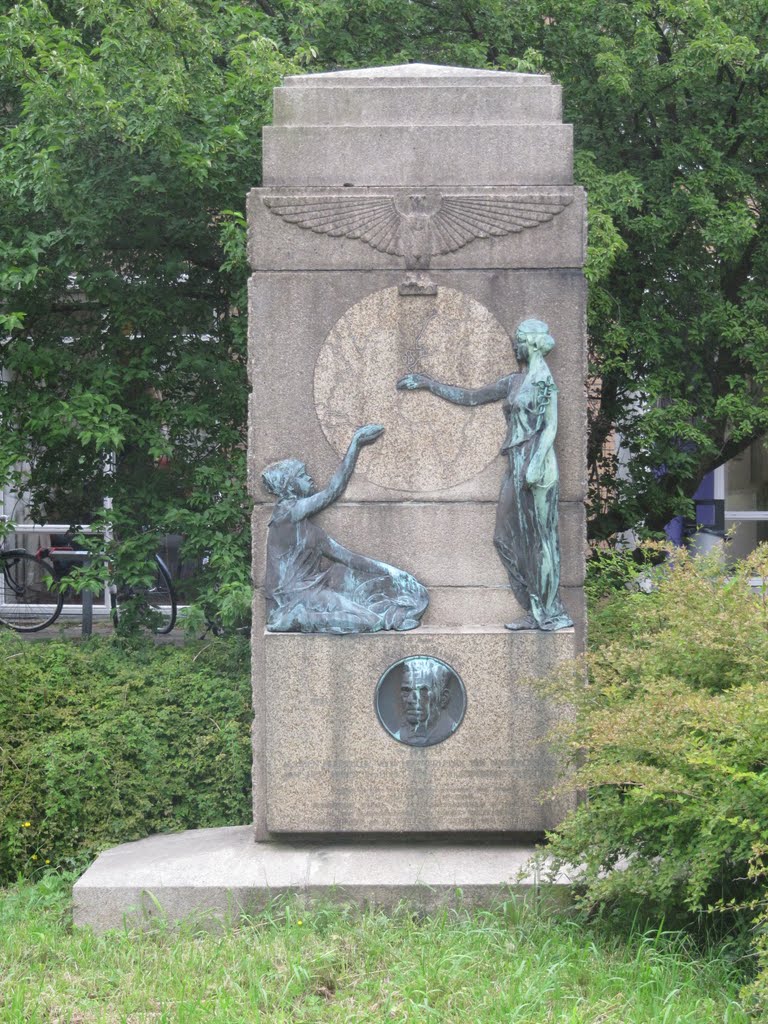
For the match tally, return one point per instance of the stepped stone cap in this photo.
(417, 124)
(419, 95)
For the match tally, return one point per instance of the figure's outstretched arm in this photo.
(452, 393)
(315, 503)
(336, 552)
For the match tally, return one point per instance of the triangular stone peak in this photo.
(424, 75)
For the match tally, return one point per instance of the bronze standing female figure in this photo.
(526, 535)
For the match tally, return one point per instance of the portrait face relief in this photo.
(420, 701)
(424, 692)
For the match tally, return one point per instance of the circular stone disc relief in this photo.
(428, 444)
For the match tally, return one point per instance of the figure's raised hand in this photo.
(368, 434)
(414, 382)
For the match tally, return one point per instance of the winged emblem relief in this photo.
(418, 226)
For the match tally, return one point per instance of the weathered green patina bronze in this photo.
(526, 535)
(421, 701)
(314, 584)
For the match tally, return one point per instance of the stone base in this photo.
(330, 768)
(221, 874)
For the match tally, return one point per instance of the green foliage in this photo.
(130, 131)
(102, 743)
(311, 961)
(669, 739)
(671, 125)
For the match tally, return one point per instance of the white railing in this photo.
(69, 609)
(747, 517)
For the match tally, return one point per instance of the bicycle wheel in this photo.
(29, 602)
(153, 605)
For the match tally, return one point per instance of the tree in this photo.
(671, 108)
(131, 136)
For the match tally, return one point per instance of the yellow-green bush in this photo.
(102, 743)
(669, 739)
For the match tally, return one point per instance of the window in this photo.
(745, 491)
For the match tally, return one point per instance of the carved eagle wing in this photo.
(432, 223)
(372, 219)
(460, 219)
(419, 226)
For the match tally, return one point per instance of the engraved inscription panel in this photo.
(427, 445)
(421, 701)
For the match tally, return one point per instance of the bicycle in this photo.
(35, 585)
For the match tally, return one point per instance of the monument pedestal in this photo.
(220, 874)
(332, 769)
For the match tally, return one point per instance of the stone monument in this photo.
(413, 221)
(417, 345)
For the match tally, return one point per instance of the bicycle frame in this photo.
(59, 559)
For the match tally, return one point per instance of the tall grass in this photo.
(516, 964)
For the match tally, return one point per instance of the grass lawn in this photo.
(513, 965)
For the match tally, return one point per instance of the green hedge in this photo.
(669, 739)
(102, 743)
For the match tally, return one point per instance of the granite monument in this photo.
(417, 236)
(416, 224)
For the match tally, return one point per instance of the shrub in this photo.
(669, 739)
(102, 743)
